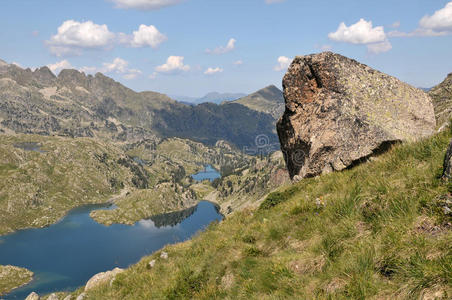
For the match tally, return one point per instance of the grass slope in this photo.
(38, 188)
(376, 231)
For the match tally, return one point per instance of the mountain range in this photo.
(78, 105)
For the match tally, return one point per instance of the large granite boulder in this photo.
(339, 112)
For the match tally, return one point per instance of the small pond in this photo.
(209, 173)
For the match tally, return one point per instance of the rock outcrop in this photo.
(33, 296)
(339, 112)
(102, 278)
(442, 100)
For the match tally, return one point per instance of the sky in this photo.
(192, 47)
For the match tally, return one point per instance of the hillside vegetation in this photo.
(13, 277)
(377, 231)
(269, 100)
(41, 178)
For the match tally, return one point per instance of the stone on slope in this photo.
(33, 296)
(339, 112)
(102, 278)
(53, 296)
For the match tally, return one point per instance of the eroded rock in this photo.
(33, 296)
(53, 297)
(340, 112)
(102, 278)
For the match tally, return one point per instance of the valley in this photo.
(148, 171)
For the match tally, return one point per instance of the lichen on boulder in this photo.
(340, 112)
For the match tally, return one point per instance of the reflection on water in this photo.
(65, 255)
(172, 219)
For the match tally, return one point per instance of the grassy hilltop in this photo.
(377, 231)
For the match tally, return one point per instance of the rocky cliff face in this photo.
(442, 100)
(339, 112)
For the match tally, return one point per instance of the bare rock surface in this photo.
(102, 278)
(442, 101)
(340, 112)
(33, 296)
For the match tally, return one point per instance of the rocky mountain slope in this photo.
(74, 104)
(339, 112)
(41, 178)
(269, 100)
(442, 100)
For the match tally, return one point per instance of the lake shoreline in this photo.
(81, 238)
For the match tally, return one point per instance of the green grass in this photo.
(37, 189)
(373, 232)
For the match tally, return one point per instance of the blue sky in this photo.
(191, 47)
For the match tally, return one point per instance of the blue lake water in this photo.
(209, 173)
(66, 255)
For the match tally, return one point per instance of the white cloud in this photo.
(396, 24)
(274, 1)
(238, 62)
(173, 65)
(145, 36)
(440, 21)
(145, 4)
(118, 66)
(378, 48)
(325, 47)
(89, 70)
(283, 63)
(58, 66)
(223, 49)
(73, 36)
(211, 71)
(439, 24)
(361, 32)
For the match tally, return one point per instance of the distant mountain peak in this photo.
(269, 100)
(44, 74)
(3, 63)
(72, 77)
(212, 97)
